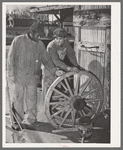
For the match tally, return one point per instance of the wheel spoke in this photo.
(66, 115)
(61, 93)
(80, 113)
(92, 100)
(62, 99)
(83, 113)
(73, 113)
(98, 106)
(58, 118)
(92, 106)
(61, 114)
(57, 104)
(91, 112)
(56, 96)
(77, 85)
(84, 86)
(90, 92)
(68, 86)
(63, 85)
(58, 112)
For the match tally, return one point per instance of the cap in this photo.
(37, 27)
(59, 33)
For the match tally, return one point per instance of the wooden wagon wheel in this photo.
(72, 96)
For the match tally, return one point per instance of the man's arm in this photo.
(46, 60)
(71, 54)
(72, 57)
(11, 60)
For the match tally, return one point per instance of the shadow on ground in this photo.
(98, 136)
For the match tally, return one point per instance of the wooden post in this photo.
(58, 20)
(77, 31)
(61, 18)
(107, 69)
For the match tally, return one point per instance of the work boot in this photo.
(30, 125)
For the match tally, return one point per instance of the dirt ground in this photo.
(43, 134)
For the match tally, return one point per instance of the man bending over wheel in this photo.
(62, 55)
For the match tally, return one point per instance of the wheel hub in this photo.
(78, 103)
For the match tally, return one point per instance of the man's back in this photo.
(25, 55)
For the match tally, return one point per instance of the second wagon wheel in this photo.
(72, 96)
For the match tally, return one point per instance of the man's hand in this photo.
(59, 73)
(74, 69)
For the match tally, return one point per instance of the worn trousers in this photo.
(46, 83)
(25, 94)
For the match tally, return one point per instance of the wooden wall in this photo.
(96, 60)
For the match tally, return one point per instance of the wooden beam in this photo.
(50, 8)
(57, 18)
(48, 12)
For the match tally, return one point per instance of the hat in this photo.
(59, 33)
(37, 27)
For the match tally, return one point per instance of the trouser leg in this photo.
(31, 102)
(44, 87)
(46, 83)
(19, 101)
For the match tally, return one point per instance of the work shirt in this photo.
(25, 57)
(58, 54)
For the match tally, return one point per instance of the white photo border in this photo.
(115, 76)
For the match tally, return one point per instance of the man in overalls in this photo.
(25, 56)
